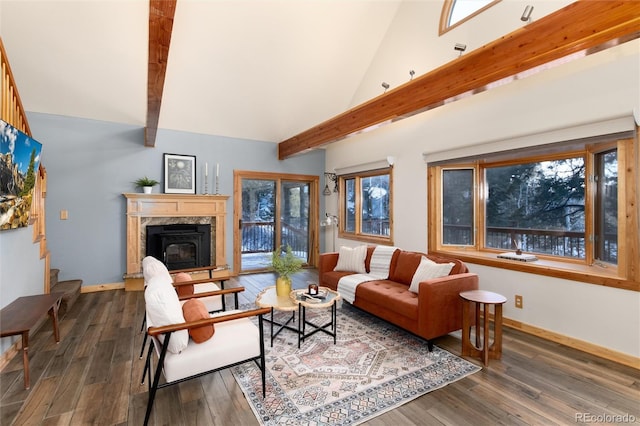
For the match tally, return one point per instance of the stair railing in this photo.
(13, 113)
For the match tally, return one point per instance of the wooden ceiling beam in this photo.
(581, 26)
(161, 14)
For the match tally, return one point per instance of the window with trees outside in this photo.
(366, 206)
(564, 208)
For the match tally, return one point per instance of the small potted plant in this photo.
(285, 264)
(146, 184)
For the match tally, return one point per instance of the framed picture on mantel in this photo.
(179, 174)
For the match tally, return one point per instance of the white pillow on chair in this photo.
(164, 308)
(352, 259)
(152, 267)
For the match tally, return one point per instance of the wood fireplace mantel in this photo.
(140, 206)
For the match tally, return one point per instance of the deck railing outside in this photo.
(543, 241)
(259, 237)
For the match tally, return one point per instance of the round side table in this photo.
(482, 300)
(327, 299)
(268, 298)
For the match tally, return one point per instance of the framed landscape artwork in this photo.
(19, 162)
(179, 174)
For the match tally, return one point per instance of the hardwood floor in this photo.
(93, 377)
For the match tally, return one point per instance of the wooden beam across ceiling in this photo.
(581, 26)
(161, 14)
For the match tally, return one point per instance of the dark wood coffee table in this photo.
(21, 315)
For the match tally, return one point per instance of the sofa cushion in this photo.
(367, 259)
(183, 290)
(390, 295)
(352, 259)
(330, 279)
(163, 308)
(405, 266)
(427, 270)
(194, 310)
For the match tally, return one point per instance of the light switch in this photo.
(64, 215)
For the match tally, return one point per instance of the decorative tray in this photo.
(312, 298)
(320, 295)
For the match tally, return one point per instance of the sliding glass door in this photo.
(274, 210)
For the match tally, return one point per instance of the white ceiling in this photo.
(252, 69)
(263, 70)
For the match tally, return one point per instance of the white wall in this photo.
(588, 90)
(412, 41)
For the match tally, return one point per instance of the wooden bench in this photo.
(24, 313)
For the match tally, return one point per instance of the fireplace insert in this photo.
(180, 246)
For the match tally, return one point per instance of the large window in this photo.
(606, 206)
(561, 207)
(537, 207)
(366, 206)
(457, 207)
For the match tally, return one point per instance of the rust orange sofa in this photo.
(434, 311)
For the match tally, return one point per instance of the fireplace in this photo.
(144, 210)
(180, 246)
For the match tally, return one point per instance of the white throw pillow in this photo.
(152, 267)
(164, 308)
(352, 259)
(427, 270)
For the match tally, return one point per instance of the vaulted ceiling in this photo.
(264, 70)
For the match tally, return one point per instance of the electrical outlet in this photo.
(518, 301)
(64, 215)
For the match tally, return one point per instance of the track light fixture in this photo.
(459, 47)
(385, 85)
(526, 15)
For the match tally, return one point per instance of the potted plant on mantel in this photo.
(285, 264)
(146, 184)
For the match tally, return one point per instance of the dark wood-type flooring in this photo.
(93, 377)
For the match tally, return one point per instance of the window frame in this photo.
(623, 275)
(447, 10)
(358, 235)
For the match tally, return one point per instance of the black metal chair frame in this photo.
(221, 293)
(208, 269)
(156, 331)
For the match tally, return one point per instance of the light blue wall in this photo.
(90, 164)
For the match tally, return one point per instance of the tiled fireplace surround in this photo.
(161, 209)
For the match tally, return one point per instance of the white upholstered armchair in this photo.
(189, 342)
(206, 290)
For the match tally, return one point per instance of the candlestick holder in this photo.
(206, 186)
(217, 187)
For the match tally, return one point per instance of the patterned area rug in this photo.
(373, 368)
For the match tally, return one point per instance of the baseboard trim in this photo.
(101, 287)
(590, 348)
(10, 353)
